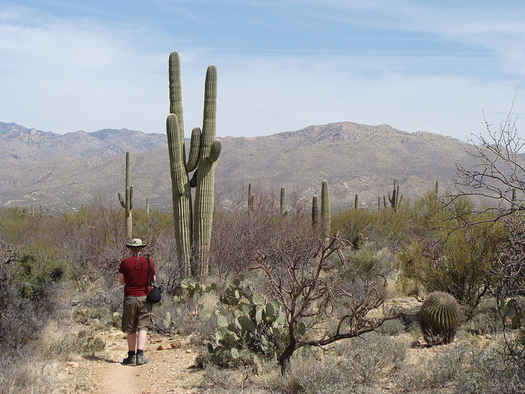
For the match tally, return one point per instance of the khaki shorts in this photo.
(136, 315)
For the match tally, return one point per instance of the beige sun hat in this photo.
(136, 243)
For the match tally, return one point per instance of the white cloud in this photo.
(67, 74)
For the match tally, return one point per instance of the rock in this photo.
(72, 364)
(176, 344)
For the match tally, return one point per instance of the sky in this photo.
(444, 66)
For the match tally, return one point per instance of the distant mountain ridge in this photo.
(20, 144)
(64, 171)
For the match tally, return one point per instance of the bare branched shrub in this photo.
(239, 231)
(306, 277)
(499, 175)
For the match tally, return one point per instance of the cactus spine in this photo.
(126, 202)
(325, 208)
(439, 315)
(192, 226)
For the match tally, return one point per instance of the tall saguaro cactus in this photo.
(127, 201)
(325, 208)
(193, 224)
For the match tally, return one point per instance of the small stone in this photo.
(72, 364)
(175, 344)
(162, 347)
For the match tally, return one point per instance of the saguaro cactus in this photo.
(192, 224)
(315, 210)
(282, 201)
(250, 197)
(127, 201)
(325, 208)
(395, 198)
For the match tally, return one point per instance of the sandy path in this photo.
(170, 369)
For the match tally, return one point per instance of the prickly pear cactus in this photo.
(439, 314)
(249, 328)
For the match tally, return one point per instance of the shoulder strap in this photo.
(150, 271)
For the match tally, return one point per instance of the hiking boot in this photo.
(130, 360)
(141, 359)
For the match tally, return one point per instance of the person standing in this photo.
(136, 315)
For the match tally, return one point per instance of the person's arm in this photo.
(121, 279)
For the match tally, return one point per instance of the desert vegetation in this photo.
(284, 309)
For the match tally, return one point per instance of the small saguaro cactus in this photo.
(325, 208)
(127, 201)
(193, 224)
(282, 201)
(250, 197)
(395, 198)
(439, 314)
(315, 211)
(356, 202)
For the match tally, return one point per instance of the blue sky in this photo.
(437, 66)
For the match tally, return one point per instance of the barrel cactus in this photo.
(439, 314)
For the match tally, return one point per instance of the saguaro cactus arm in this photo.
(195, 149)
(179, 176)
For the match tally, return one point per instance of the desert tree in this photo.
(499, 179)
(499, 174)
(321, 304)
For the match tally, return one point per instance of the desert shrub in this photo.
(392, 327)
(26, 373)
(192, 310)
(383, 228)
(370, 357)
(456, 262)
(22, 320)
(434, 371)
(491, 371)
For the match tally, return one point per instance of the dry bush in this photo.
(436, 371)
(27, 374)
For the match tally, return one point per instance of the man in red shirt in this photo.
(136, 315)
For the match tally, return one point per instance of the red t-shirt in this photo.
(135, 270)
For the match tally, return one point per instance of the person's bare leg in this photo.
(132, 341)
(141, 340)
(141, 344)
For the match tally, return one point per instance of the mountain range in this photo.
(61, 172)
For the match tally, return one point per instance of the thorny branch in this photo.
(309, 285)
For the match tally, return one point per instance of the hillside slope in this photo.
(354, 158)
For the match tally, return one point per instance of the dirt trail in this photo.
(170, 369)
